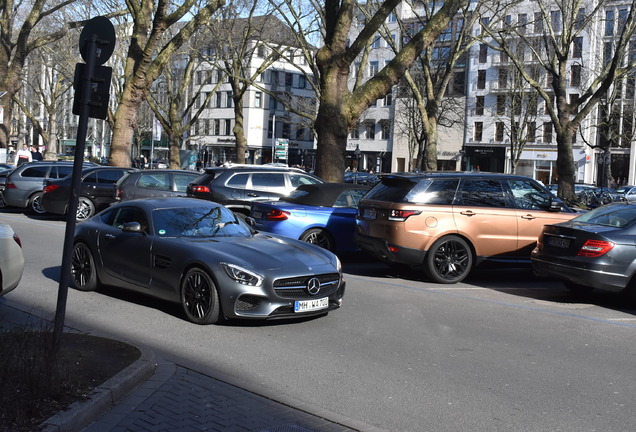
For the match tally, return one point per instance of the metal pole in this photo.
(273, 136)
(71, 214)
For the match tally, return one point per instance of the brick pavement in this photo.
(178, 399)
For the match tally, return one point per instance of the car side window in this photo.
(61, 171)
(154, 181)
(350, 198)
(439, 192)
(36, 171)
(91, 178)
(181, 181)
(268, 180)
(238, 181)
(109, 176)
(528, 195)
(481, 193)
(130, 214)
(301, 179)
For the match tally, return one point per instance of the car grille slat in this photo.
(296, 287)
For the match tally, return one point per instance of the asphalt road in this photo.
(503, 351)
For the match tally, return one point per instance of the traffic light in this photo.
(100, 90)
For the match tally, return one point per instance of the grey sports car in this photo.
(198, 253)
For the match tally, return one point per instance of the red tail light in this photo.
(276, 215)
(595, 248)
(402, 215)
(118, 193)
(200, 189)
(50, 188)
(17, 239)
(10, 185)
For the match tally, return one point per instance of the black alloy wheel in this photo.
(83, 269)
(449, 260)
(319, 237)
(199, 297)
(35, 203)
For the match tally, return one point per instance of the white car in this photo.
(11, 259)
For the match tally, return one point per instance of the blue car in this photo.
(323, 214)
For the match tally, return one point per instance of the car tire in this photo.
(85, 209)
(35, 203)
(83, 270)
(449, 260)
(200, 298)
(319, 237)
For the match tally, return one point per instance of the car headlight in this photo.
(242, 275)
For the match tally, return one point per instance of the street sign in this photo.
(281, 148)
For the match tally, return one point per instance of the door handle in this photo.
(468, 213)
(110, 236)
(528, 216)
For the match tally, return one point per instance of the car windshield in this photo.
(205, 221)
(618, 215)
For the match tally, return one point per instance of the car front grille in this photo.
(297, 287)
(248, 302)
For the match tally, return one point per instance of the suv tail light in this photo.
(595, 248)
(10, 185)
(50, 188)
(118, 193)
(276, 215)
(200, 189)
(402, 215)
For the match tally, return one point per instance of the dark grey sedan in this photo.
(199, 254)
(594, 250)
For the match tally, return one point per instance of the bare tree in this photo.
(563, 22)
(148, 53)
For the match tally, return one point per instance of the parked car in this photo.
(361, 177)
(238, 186)
(24, 185)
(153, 184)
(201, 255)
(449, 222)
(5, 169)
(628, 192)
(96, 191)
(594, 250)
(323, 214)
(11, 259)
(598, 196)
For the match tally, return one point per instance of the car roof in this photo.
(247, 167)
(321, 194)
(166, 170)
(449, 174)
(169, 202)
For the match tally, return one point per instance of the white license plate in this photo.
(257, 215)
(369, 213)
(559, 242)
(311, 305)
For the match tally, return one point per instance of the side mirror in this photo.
(250, 221)
(132, 227)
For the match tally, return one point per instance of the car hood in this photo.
(266, 252)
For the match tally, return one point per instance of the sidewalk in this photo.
(153, 395)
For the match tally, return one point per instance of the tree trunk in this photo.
(125, 121)
(239, 131)
(174, 143)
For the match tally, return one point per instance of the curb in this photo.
(104, 397)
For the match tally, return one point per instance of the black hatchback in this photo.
(96, 193)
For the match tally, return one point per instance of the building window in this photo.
(459, 83)
(217, 127)
(388, 99)
(481, 79)
(538, 22)
(607, 52)
(483, 53)
(522, 21)
(302, 81)
(479, 131)
(531, 127)
(260, 51)
(369, 130)
(373, 68)
(575, 75)
(501, 105)
(355, 132)
(555, 20)
(376, 42)
(622, 20)
(228, 100)
(228, 126)
(609, 23)
(580, 19)
(547, 132)
(386, 129)
(502, 79)
(547, 106)
(499, 131)
(258, 100)
(577, 51)
(479, 105)
(218, 100)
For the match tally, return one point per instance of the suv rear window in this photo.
(36, 171)
(425, 191)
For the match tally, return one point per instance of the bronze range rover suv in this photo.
(449, 222)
